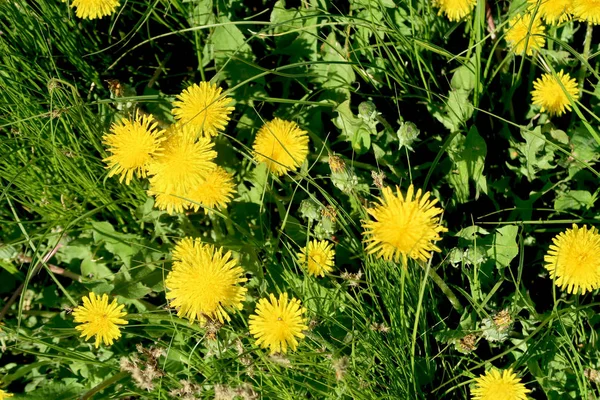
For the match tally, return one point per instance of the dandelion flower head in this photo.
(92, 9)
(278, 323)
(215, 191)
(182, 165)
(587, 10)
(282, 145)
(203, 107)
(496, 385)
(317, 257)
(5, 395)
(132, 144)
(99, 318)
(573, 259)
(455, 10)
(173, 201)
(525, 34)
(403, 226)
(554, 11)
(550, 95)
(204, 282)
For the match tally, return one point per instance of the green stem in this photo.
(444, 287)
(216, 226)
(587, 46)
(103, 385)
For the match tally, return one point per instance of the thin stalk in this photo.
(587, 45)
(103, 385)
(444, 288)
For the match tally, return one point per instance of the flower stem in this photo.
(103, 385)
(444, 287)
(587, 45)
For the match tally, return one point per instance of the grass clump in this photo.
(372, 199)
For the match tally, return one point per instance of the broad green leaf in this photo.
(534, 154)
(301, 42)
(457, 110)
(464, 76)
(584, 149)
(574, 200)
(201, 13)
(56, 391)
(334, 72)
(129, 288)
(95, 269)
(354, 130)
(232, 54)
(120, 244)
(10, 268)
(468, 159)
(503, 246)
(8, 252)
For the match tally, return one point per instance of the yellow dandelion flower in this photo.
(182, 165)
(277, 323)
(317, 257)
(573, 260)
(455, 10)
(550, 95)
(587, 10)
(99, 318)
(174, 201)
(202, 106)
(132, 144)
(404, 226)
(204, 282)
(496, 386)
(92, 9)
(5, 395)
(525, 34)
(282, 145)
(554, 11)
(216, 191)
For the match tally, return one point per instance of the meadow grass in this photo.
(353, 75)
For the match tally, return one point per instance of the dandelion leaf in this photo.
(574, 200)
(232, 54)
(354, 130)
(464, 76)
(334, 72)
(468, 158)
(457, 110)
(503, 245)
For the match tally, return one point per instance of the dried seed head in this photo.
(503, 320)
(378, 178)
(466, 344)
(336, 164)
(592, 374)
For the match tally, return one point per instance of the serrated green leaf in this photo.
(56, 391)
(120, 244)
(95, 270)
(534, 154)
(468, 159)
(334, 72)
(457, 110)
(354, 130)
(574, 200)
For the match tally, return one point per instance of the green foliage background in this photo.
(363, 77)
